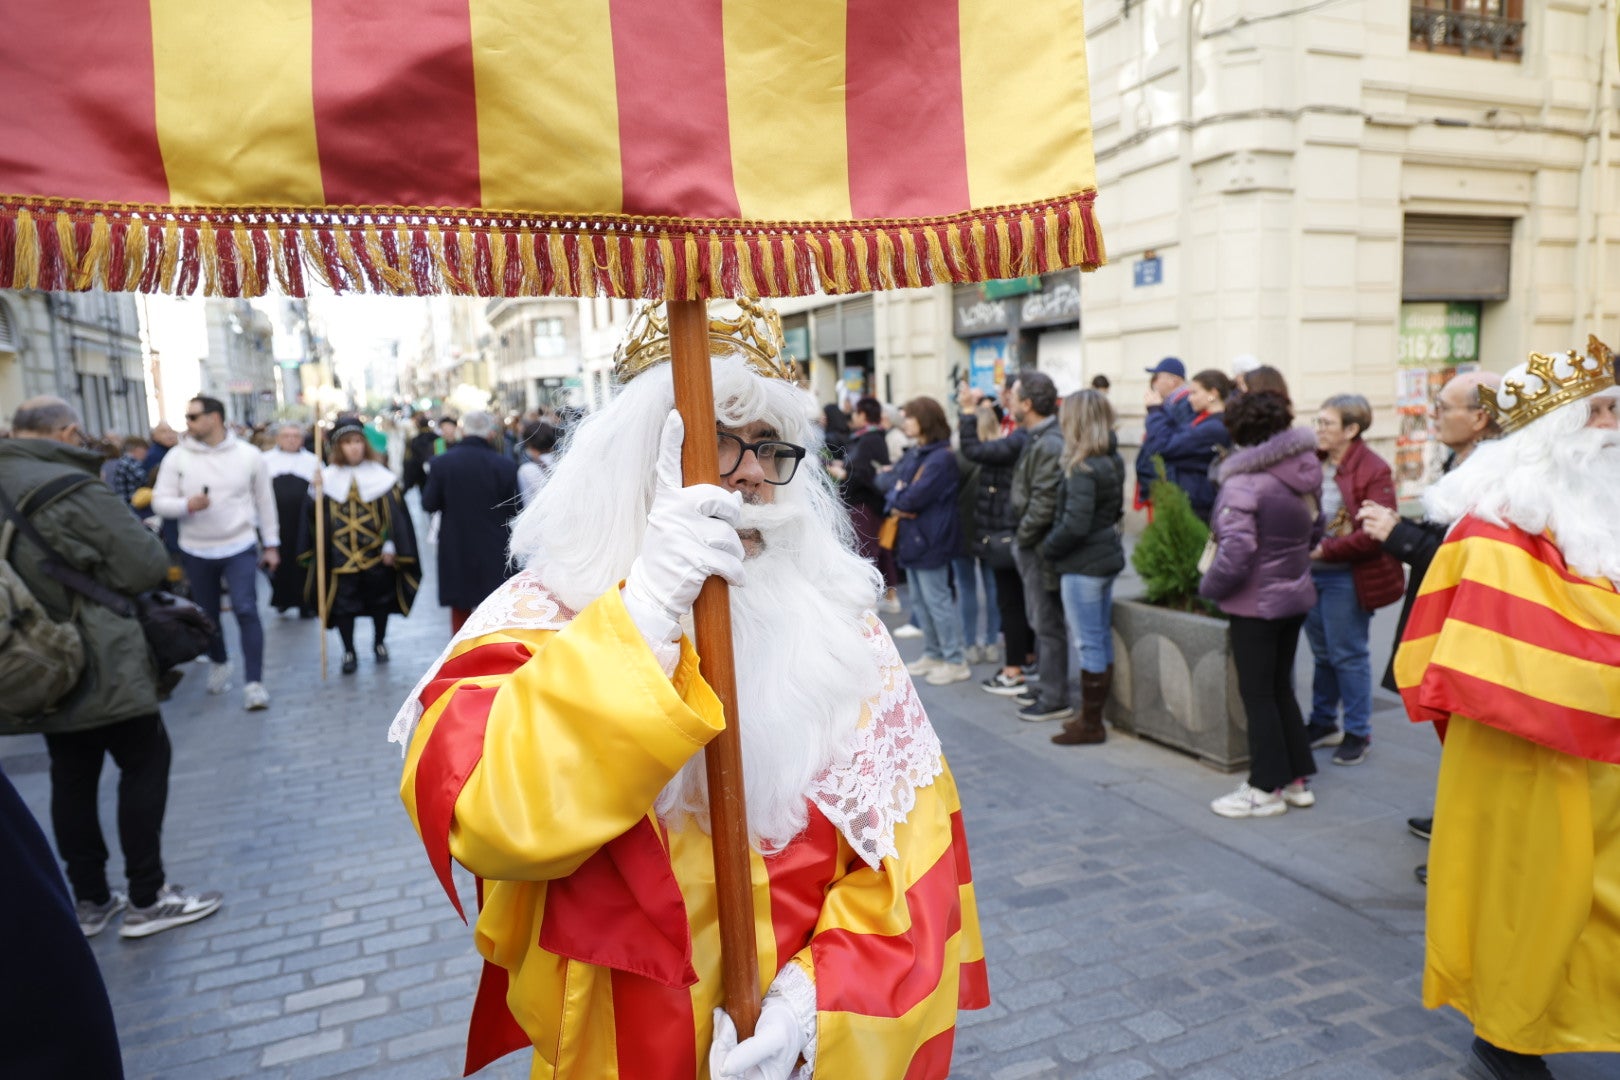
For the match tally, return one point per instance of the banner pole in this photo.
(320, 537)
(728, 820)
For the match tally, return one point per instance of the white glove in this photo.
(770, 1054)
(691, 536)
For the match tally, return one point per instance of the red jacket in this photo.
(1378, 575)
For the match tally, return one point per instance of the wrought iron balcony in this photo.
(1439, 29)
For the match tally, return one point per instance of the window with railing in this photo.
(1489, 29)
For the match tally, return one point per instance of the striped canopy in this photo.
(680, 148)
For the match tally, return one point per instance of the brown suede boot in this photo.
(1087, 729)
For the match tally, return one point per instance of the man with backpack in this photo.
(111, 707)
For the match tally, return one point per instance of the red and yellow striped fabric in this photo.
(530, 147)
(533, 765)
(1502, 632)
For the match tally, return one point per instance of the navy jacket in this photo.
(1190, 452)
(933, 537)
(474, 488)
(1162, 421)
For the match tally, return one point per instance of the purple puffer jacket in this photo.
(1265, 527)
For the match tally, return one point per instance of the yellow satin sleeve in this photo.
(578, 744)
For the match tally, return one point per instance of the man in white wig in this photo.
(554, 751)
(1513, 651)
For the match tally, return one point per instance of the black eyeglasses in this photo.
(190, 416)
(776, 459)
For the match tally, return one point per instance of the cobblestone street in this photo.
(1130, 933)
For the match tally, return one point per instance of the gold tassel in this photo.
(888, 276)
(863, 276)
(134, 254)
(694, 287)
(557, 255)
(497, 260)
(1028, 265)
(208, 255)
(938, 268)
(745, 267)
(169, 256)
(767, 267)
(68, 248)
(666, 258)
(1053, 238)
(530, 285)
(1004, 256)
(314, 261)
(840, 264)
(278, 258)
(953, 240)
(638, 264)
(820, 262)
(717, 265)
(94, 263)
(1093, 231)
(469, 259)
(247, 263)
(585, 265)
(790, 264)
(351, 262)
(614, 266)
(908, 250)
(402, 250)
(25, 268)
(978, 248)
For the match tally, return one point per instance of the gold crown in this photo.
(756, 334)
(1534, 389)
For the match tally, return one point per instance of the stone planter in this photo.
(1174, 683)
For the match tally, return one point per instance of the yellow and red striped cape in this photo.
(1504, 633)
(534, 764)
(1517, 660)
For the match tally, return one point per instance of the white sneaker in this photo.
(1298, 795)
(1247, 801)
(255, 697)
(889, 605)
(945, 674)
(219, 677)
(907, 631)
(973, 654)
(923, 665)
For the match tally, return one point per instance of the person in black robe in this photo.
(372, 564)
(291, 469)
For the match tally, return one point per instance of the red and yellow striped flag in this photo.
(1503, 632)
(635, 148)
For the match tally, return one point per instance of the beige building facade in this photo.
(1354, 192)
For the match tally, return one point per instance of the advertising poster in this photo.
(1437, 341)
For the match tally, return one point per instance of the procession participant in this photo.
(371, 557)
(291, 469)
(554, 753)
(1513, 651)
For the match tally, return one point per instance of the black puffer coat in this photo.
(1090, 503)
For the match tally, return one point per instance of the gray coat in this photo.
(94, 532)
(1036, 479)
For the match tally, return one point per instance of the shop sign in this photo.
(987, 364)
(1437, 342)
(1020, 286)
(796, 343)
(976, 316)
(1439, 334)
(1059, 302)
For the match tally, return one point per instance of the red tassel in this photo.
(154, 255)
(292, 254)
(117, 233)
(483, 267)
(230, 281)
(8, 249)
(190, 262)
(512, 278)
(422, 266)
(50, 253)
(362, 255)
(260, 254)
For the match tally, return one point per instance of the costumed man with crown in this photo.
(554, 752)
(1513, 651)
(372, 567)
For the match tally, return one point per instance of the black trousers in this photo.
(1263, 652)
(55, 1021)
(1014, 623)
(140, 749)
(1045, 610)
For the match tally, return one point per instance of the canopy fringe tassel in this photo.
(67, 246)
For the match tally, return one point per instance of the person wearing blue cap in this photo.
(1168, 411)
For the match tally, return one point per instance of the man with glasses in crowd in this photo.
(553, 752)
(218, 488)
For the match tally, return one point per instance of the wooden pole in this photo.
(728, 820)
(320, 537)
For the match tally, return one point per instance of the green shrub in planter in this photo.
(1167, 554)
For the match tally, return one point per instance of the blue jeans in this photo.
(1337, 631)
(1088, 608)
(969, 572)
(936, 613)
(241, 576)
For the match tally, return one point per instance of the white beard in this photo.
(1563, 482)
(804, 670)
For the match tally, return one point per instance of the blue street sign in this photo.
(1148, 271)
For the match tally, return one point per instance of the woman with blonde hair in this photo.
(1085, 550)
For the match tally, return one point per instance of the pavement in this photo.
(1130, 933)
